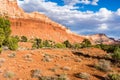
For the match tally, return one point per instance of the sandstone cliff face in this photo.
(100, 38)
(10, 8)
(35, 24)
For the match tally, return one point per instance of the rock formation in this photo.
(35, 24)
(38, 25)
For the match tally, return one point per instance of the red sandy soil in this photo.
(59, 59)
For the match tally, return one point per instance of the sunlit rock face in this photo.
(35, 24)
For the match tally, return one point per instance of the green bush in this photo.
(12, 43)
(113, 76)
(67, 44)
(17, 37)
(116, 54)
(0, 49)
(37, 43)
(77, 46)
(24, 39)
(86, 43)
(5, 25)
(107, 48)
(46, 43)
(59, 45)
(5, 38)
(2, 36)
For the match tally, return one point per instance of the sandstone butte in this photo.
(37, 25)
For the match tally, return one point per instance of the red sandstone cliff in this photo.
(35, 24)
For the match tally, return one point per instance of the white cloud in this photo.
(94, 2)
(103, 27)
(103, 14)
(118, 12)
(73, 2)
(80, 22)
(85, 1)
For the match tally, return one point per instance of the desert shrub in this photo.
(59, 45)
(52, 43)
(86, 43)
(28, 57)
(116, 54)
(12, 55)
(12, 43)
(24, 39)
(76, 45)
(9, 74)
(67, 44)
(47, 58)
(113, 76)
(83, 75)
(57, 77)
(103, 65)
(0, 49)
(46, 43)
(2, 36)
(35, 73)
(107, 48)
(5, 32)
(5, 26)
(17, 37)
(62, 77)
(37, 43)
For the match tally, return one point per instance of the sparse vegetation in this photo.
(28, 57)
(5, 32)
(113, 76)
(67, 44)
(37, 43)
(9, 74)
(116, 54)
(83, 75)
(12, 55)
(24, 39)
(35, 73)
(12, 43)
(76, 46)
(59, 45)
(86, 43)
(47, 58)
(57, 77)
(47, 44)
(103, 65)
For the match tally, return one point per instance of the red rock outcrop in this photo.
(100, 38)
(35, 24)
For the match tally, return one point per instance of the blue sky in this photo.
(81, 16)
